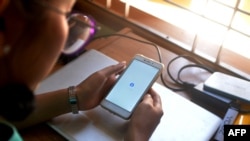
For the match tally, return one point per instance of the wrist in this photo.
(134, 134)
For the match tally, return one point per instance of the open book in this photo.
(182, 119)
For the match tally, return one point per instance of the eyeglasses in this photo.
(51, 7)
(82, 28)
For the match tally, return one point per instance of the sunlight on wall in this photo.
(219, 26)
(238, 43)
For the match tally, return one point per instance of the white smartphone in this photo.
(131, 86)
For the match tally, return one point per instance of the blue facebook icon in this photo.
(131, 84)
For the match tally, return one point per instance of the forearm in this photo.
(48, 105)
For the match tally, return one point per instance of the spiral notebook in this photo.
(182, 119)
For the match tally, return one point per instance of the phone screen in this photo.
(132, 84)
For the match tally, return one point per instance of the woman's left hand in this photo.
(91, 91)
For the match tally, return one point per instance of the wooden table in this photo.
(120, 48)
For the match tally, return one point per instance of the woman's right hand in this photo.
(145, 118)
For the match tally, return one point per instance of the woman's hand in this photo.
(91, 91)
(145, 118)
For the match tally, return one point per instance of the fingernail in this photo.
(123, 63)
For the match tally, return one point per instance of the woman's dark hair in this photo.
(17, 101)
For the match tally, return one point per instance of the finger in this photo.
(114, 69)
(156, 98)
(148, 99)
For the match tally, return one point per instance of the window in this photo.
(217, 30)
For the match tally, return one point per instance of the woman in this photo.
(32, 35)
